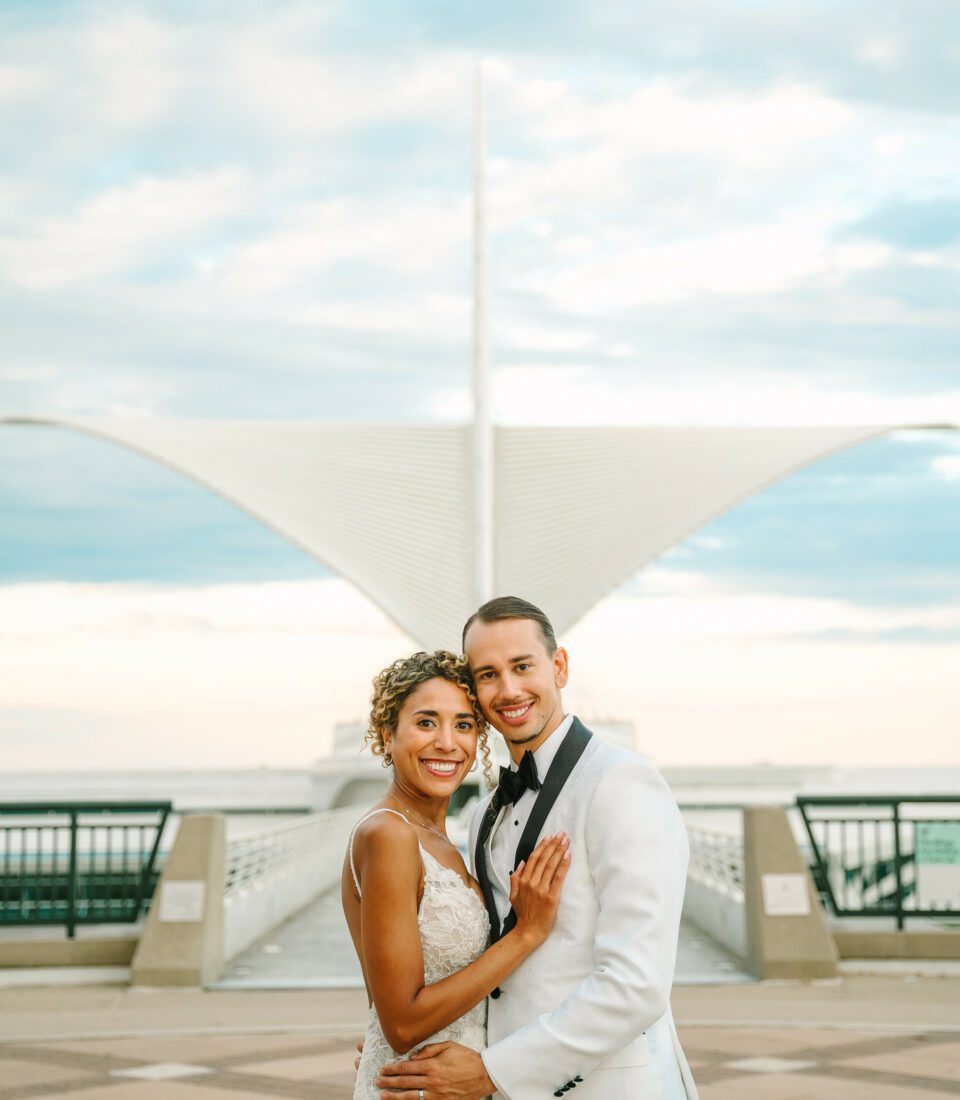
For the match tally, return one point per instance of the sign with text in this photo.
(938, 864)
(938, 842)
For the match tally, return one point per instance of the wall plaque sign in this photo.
(785, 895)
(182, 900)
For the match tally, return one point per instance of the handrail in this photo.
(716, 859)
(253, 857)
(80, 806)
(48, 877)
(874, 799)
(274, 872)
(868, 865)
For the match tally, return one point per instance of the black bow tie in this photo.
(514, 783)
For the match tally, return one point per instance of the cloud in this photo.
(882, 51)
(667, 116)
(629, 271)
(17, 81)
(712, 672)
(917, 224)
(410, 240)
(948, 467)
(119, 230)
(262, 672)
(286, 85)
(149, 677)
(616, 190)
(916, 292)
(130, 67)
(580, 395)
(89, 79)
(875, 51)
(680, 602)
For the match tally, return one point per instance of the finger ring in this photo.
(420, 1094)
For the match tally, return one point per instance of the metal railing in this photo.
(716, 860)
(273, 873)
(256, 857)
(70, 863)
(886, 856)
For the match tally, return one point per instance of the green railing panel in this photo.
(885, 855)
(70, 863)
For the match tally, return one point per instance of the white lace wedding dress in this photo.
(454, 930)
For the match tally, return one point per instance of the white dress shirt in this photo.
(503, 844)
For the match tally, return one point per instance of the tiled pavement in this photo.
(807, 1064)
(729, 1064)
(224, 1067)
(745, 1043)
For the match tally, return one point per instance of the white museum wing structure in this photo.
(389, 507)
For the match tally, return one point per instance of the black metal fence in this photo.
(70, 863)
(891, 856)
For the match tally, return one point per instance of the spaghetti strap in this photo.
(382, 810)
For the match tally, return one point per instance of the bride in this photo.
(416, 917)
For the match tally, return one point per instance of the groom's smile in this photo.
(515, 716)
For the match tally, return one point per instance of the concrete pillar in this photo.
(182, 942)
(787, 935)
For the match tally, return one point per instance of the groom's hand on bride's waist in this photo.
(445, 1071)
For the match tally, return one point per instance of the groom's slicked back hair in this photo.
(512, 607)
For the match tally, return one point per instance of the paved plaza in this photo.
(865, 1038)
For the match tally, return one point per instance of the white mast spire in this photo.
(483, 470)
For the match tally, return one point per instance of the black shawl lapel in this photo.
(480, 862)
(559, 772)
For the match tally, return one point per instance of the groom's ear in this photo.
(560, 668)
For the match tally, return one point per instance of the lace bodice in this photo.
(454, 931)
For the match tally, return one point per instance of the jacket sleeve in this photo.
(636, 848)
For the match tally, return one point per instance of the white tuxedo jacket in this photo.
(589, 1010)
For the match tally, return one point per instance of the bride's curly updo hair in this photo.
(396, 682)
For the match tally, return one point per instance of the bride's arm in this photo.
(410, 1010)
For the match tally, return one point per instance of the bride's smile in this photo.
(434, 744)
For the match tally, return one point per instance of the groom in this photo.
(590, 1009)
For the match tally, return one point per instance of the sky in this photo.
(745, 213)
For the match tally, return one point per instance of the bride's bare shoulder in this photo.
(385, 833)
